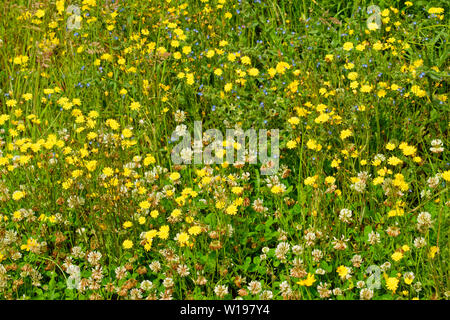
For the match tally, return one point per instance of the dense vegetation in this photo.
(92, 206)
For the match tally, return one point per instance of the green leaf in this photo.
(296, 208)
(325, 266)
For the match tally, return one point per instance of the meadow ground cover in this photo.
(93, 207)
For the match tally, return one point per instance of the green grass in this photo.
(64, 108)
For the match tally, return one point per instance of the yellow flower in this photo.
(11, 102)
(17, 195)
(237, 190)
(378, 46)
(231, 210)
(276, 189)
(397, 256)
(335, 163)
(329, 58)
(348, 46)
(27, 96)
(4, 118)
(381, 93)
(174, 176)
(291, 144)
(366, 88)
(154, 214)
(93, 114)
(31, 244)
(127, 244)
(246, 60)
(231, 57)
(372, 26)
(393, 161)
(149, 159)
(352, 76)
(294, 120)
(17, 215)
(310, 181)
(322, 118)
(434, 10)
(195, 230)
(433, 251)
(446, 175)
(144, 204)
(272, 72)
(392, 284)
(40, 13)
(91, 165)
(308, 281)
(354, 85)
(183, 238)
(135, 106)
(330, 180)
(346, 133)
(360, 47)
(186, 50)
(220, 204)
(148, 245)
(77, 173)
(210, 53)
(390, 146)
(418, 91)
(149, 235)
(113, 124)
(342, 271)
(127, 224)
(175, 213)
(282, 67)
(228, 87)
(108, 171)
(253, 72)
(163, 232)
